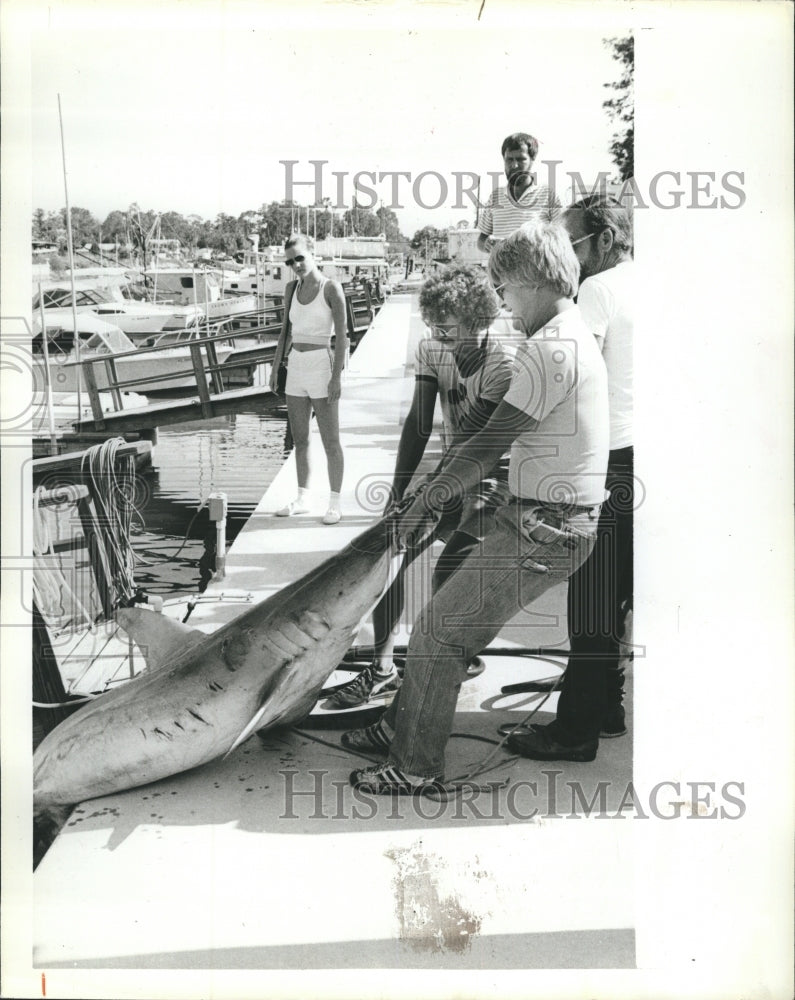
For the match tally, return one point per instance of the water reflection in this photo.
(238, 455)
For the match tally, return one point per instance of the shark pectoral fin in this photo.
(270, 703)
(250, 728)
(161, 639)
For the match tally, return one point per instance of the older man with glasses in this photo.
(600, 592)
(554, 419)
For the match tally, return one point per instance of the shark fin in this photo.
(267, 705)
(250, 728)
(161, 639)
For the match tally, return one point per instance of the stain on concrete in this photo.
(430, 918)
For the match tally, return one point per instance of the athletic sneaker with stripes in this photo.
(370, 682)
(388, 779)
(366, 684)
(372, 739)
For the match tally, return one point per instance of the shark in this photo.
(201, 695)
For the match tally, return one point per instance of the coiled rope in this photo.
(113, 493)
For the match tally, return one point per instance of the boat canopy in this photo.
(110, 341)
(61, 297)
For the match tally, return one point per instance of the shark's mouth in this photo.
(384, 534)
(380, 538)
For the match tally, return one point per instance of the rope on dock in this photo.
(113, 491)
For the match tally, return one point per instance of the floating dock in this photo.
(269, 860)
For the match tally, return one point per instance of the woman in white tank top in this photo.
(315, 309)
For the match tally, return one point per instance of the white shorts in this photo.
(309, 373)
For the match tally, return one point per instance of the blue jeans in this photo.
(532, 547)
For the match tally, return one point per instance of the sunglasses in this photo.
(292, 261)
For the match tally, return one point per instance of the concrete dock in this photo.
(269, 860)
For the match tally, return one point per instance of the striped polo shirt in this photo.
(503, 216)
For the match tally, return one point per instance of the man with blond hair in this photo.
(554, 419)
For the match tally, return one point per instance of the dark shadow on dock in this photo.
(288, 782)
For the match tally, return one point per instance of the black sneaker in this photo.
(362, 688)
(541, 743)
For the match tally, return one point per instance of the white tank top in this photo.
(311, 323)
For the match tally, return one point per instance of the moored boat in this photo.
(186, 285)
(147, 368)
(107, 302)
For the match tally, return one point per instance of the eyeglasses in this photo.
(530, 288)
(292, 261)
(582, 239)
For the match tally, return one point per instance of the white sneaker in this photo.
(293, 507)
(331, 516)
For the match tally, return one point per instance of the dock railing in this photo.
(259, 348)
(204, 366)
(359, 311)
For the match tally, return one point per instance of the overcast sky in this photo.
(181, 107)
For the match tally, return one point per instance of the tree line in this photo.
(131, 230)
(134, 229)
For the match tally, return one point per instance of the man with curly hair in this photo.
(469, 372)
(521, 200)
(555, 419)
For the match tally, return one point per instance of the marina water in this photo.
(238, 455)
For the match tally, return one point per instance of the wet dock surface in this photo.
(268, 859)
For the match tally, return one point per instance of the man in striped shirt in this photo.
(522, 200)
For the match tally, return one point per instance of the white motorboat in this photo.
(103, 342)
(107, 302)
(207, 288)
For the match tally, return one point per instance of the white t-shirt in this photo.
(458, 394)
(561, 381)
(503, 216)
(606, 302)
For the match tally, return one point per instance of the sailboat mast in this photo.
(48, 376)
(70, 247)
